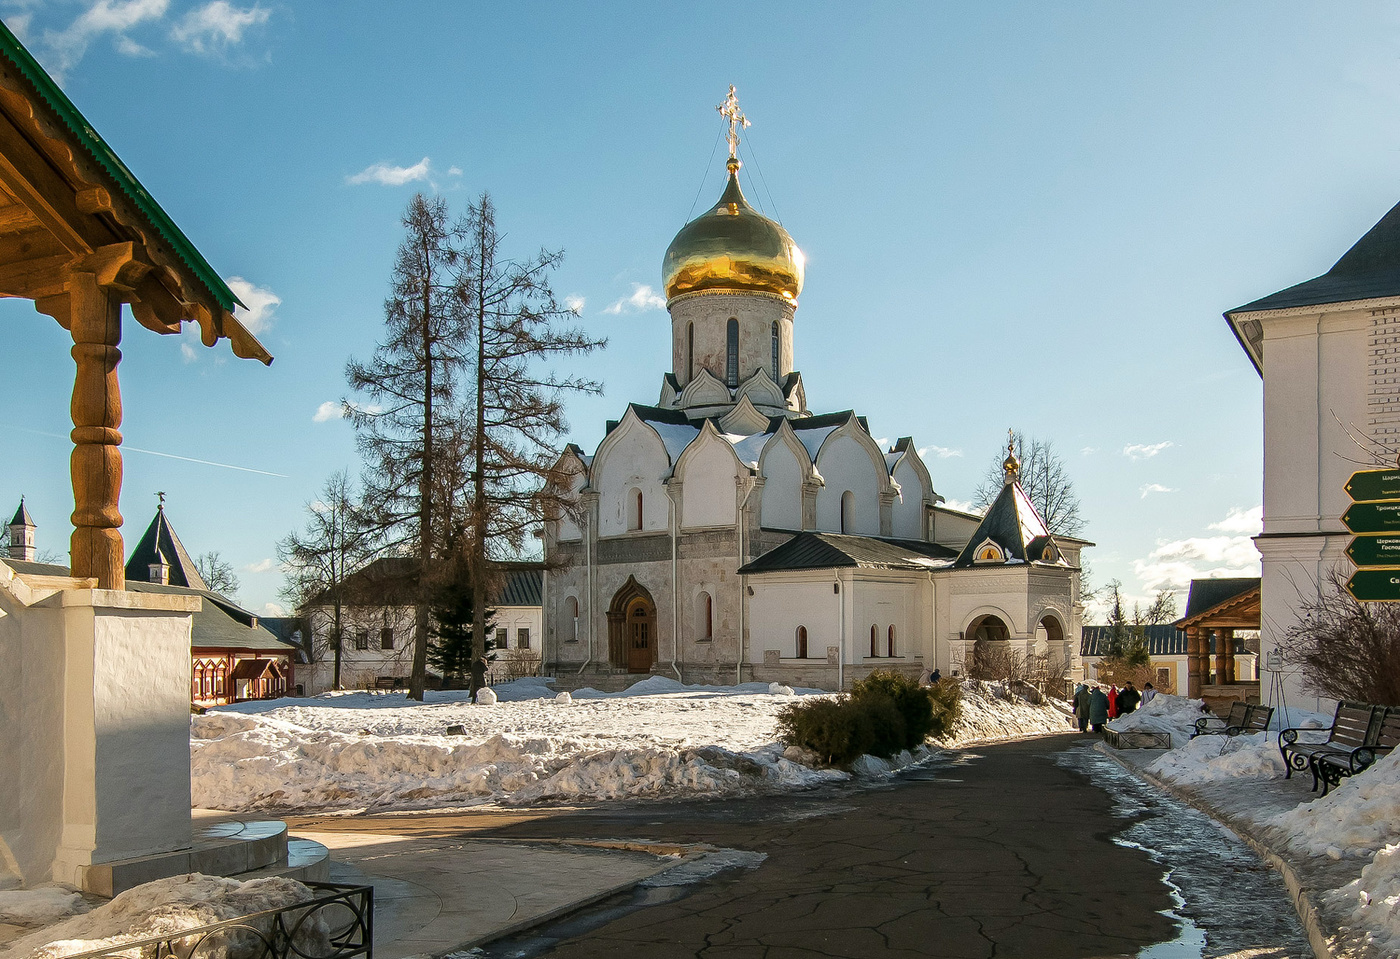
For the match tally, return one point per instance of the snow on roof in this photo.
(674, 437)
(813, 439)
(748, 448)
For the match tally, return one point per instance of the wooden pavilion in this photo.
(80, 236)
(1215, 610)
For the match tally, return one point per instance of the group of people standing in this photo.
(1094, 706)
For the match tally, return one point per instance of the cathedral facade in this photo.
(729, 534)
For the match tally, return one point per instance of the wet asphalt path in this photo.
(1009, 851)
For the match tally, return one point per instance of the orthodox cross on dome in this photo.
(729, 109)
(1011, 464)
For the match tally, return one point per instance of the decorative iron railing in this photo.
(337, 924)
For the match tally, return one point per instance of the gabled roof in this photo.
(1164, 640)
(22, 517)
(522, 585)
(1370, 269)
(1012, 523)
(838, 551)
(1210, 595)
(391, 581)
(159, 544)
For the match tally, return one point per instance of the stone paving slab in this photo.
(438, 895)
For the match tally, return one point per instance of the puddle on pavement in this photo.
(1214, 878)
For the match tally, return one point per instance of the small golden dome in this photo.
(733, 247)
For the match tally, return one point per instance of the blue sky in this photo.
(1014, 214)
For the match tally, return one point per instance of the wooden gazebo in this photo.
(80, 236)
(1215, 609)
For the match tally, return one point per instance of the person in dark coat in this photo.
(1098, 709)
(1081, 706)
(1128, 699)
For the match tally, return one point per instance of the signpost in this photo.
(1374, 515)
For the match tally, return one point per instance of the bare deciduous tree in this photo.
(517, 329)
(1346, 649)
(217, 574)
(1045, 480)
(409, 427)
(338, 539)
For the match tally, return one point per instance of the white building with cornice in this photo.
(728, 533)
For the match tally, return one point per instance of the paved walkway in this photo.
(1010, 855)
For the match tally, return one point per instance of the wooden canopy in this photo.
(80, 236)
(1219, 607)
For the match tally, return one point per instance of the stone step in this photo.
(307, 861)
(220, 849)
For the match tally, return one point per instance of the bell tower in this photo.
(22, 535)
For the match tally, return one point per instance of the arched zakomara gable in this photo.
(849, 460)
(632, 637)
(785, 466)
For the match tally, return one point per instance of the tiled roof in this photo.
(836, 551)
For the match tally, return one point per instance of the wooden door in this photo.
(641, 636)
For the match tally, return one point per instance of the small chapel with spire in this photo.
(730, 534)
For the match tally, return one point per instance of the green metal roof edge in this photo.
(107, 158)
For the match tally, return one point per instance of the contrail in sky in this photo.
(172, 456)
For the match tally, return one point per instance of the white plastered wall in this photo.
(636, 459)
(845, 463)
(709, 477)
(782, 488)
(908, 512)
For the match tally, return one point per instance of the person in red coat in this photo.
(1113, 702)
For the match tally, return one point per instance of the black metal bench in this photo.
(1215, 726)
(1352, 728)
(1331, 767)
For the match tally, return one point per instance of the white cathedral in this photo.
(728, 534)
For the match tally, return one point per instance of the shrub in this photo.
(946, 696)
(910, 700)
(837, 730)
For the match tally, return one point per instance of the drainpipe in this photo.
(675, 593)
(588, 564)
(743, 580)
(841, 653)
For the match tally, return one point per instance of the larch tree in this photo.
(338, 539)
(1044, 478)
(409, 424)
(516, 416)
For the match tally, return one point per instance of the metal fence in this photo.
(337, 924)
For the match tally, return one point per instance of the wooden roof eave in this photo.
(1233, 613)
(66, 194)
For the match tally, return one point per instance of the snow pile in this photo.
(1376, 893)
(1357, 819)
(1214, 758)
(39, 907)
(658, 739)
(1176, 715)
(169, 906)
(991, 711)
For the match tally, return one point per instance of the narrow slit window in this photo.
(802, 642)
(732, 342)
(775, 352)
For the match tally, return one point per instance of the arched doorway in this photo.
(1049, 634)
(991, 652)
(632, 628)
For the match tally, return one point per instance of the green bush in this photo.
(910, 700)
(946, 696)
(837, 730)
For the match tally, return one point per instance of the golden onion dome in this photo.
(733, 247)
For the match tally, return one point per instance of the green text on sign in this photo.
(1372, 517)
(1373, 485)
(1375, 585)
(1375, 550)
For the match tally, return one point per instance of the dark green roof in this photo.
(1369, 270)
(840, 550)
(123, 179)
(160, 544)
(1013, 524)
(1206, 594)
(22, 517)
(1161, 641)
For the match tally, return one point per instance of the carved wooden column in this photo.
(1193, 662)
(1227, 638)
(1222, 656)
(95, 323)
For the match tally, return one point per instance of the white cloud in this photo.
(261, 566)
(1144, 451)
(1154, 488)
(1088, 451)
(130, 48)
(216, 26)
(961, 505)
(574, 303)
(1173, 564)
(942, 452)
(643, 298)
(329, 410)
(273, 610)
(1248, 521)
(259, 304)
(386, 174)
(105, 16)
(188, 353)
(19, 25)
(454, 171)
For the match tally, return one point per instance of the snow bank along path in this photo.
(656, 739)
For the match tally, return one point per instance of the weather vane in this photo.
(161, 495)
(729, 109)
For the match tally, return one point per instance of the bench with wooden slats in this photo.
(1352, 728)
(1332, 767)
(1215, 726)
